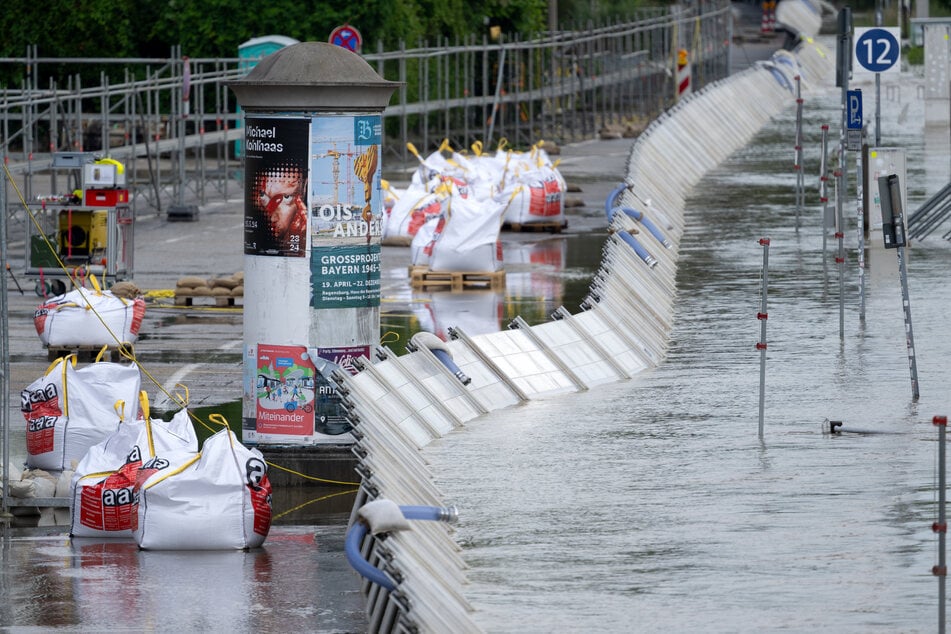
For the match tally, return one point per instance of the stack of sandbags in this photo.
(231, 286)
(194, 286)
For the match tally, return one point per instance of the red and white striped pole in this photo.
(941, 526)
(761, 344)
(683, 74)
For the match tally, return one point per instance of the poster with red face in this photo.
(285, 391)
(275, 206)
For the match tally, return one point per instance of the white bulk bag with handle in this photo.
(69, 410)
(421, 248)
(469, 241)
(102, 496)
(409, 212)
(219, 499)
(537, 195)
(89, 317)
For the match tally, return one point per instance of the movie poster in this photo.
(276, 164)
(346, 211)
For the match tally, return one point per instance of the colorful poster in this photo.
(275, 207)
(284, 389)
(345, 185)
(345, 276)
(331, 417)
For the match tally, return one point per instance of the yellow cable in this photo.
(128, 352)
(314, 478)
(309, 502)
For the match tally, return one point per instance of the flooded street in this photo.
(51, 582)
(646, 505)
(652, 505)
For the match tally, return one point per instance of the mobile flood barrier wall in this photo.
(414, 571)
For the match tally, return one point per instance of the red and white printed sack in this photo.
(67, 411)
(219, 499)
(102, 491)
(89, 317)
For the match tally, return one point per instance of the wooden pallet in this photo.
(208, 300)
(421, 277)
(536, 227)
(86, 354)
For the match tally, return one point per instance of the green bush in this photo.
(915, 55)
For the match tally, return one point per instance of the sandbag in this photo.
(67, 411)
(219, 499)
(102, 496)
(89, 317)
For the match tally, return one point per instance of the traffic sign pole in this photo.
(844, 68)
(877, 50)
(854, 126)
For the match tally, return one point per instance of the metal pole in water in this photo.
(909, 332)
(893, 232)
(860, 212)
(4, 348)
(761, 345)
(824, 181)
(843, 72)
(840, 236)
(798, 159)
(941, 526)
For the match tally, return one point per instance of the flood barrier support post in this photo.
(893, 233)
(798, 160)
(840, 236)
(761, 345)
(824, 184)
(941, 526)
(860, 214)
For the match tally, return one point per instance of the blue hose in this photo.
(648, 224)
(638, 249)
(447, 361)
(431, 513)
(352, 549)
(358, 531)
(611, 202)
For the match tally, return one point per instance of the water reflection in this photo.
(541, 274)
(296, 580)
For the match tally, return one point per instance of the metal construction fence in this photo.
(174, 123)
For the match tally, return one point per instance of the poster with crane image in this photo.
(346, 210)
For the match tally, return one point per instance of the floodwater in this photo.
(652, 505)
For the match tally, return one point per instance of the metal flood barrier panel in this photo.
(399, 404)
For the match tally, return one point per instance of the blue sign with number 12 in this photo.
(876, 50)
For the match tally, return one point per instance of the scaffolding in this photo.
(174, 123)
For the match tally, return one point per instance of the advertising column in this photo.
(312, 214)
(279, 376)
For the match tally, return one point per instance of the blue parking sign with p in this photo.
(853, 109)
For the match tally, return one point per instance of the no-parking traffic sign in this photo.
(877, 50)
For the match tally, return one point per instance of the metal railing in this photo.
(559, 88)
